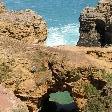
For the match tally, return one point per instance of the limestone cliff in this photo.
(96, 25)
(32, 72)
(24, 27)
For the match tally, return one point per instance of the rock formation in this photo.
(77, 70)
(96, 25)
(32, 71)
(22, 26)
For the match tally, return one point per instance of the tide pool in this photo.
(63, 101)
(60, 15)
(61, 97)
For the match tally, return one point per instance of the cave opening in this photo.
(100, 28)
(108, 34)
(58, 101)
(105, 32)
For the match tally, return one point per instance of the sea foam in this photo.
(63, 35)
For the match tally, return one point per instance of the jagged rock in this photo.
(96, 25)
(22, 26)
(27, 86)
(66, 71)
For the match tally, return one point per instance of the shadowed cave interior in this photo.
(54, 106)
(105, 32)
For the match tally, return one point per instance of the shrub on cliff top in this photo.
(99, 100)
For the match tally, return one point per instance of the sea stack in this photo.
(96, 25)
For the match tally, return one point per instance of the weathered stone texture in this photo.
(23, 26)
(96, 25)
(9, 102)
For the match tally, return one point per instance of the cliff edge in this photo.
(22, 27)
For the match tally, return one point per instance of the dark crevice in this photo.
(26, 98)
(105, 32)
(50, 106)
(104, 92)
(22, 98)
(47, 106)
(100, 28)
(60, 85)
(30, 108)
(99, 84)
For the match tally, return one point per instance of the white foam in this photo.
(66, 35)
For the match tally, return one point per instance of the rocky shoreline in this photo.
(29, 71)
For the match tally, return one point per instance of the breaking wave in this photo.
(66, 35)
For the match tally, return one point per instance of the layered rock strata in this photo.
(96, 25)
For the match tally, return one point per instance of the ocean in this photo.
(61, 17)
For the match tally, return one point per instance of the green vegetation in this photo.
(91, 91)
(42, 68)
(99, 100)
(108, 78)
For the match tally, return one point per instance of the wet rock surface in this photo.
(96, 25)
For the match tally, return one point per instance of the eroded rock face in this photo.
(32, 72)
(58, 69)
(96, 25)
(23, 26)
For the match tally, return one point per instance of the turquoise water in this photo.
(61, 97)
(61, 16)
(63, 100)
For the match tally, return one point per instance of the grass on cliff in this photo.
(99, 100)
